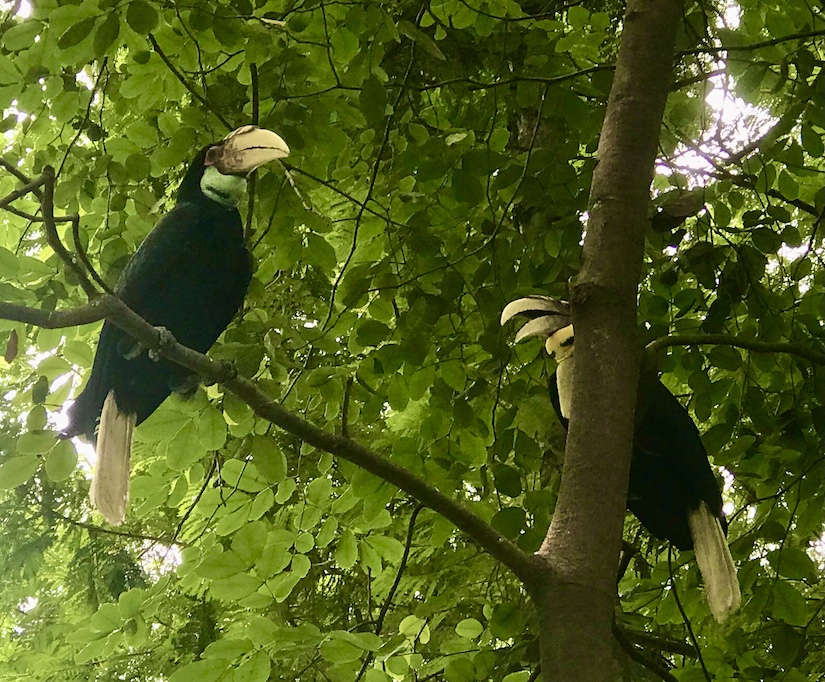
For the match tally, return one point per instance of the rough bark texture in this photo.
(582, 546)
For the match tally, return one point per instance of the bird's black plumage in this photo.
(672, 489)
(190, 275)
(670, 475)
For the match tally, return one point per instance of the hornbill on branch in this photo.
(189, 277)
(672, 489)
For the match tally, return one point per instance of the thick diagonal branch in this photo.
(116, 312)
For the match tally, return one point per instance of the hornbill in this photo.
(188, 277)
(672, 489)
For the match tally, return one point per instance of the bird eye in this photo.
(213, 155)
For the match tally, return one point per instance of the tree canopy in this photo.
(442, 158)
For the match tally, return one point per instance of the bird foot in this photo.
(165, 339)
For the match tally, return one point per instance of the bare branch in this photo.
(54, 319)
(47, 204)
(799, 349)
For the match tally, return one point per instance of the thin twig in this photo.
(385, 607)
(684, 615)
(110, 531)
(186, 83)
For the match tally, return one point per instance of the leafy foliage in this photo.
(442, 156)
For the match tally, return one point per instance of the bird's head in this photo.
(219, 170)
(548, 318)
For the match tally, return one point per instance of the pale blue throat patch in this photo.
(225, 189)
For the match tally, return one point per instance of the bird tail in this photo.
(110, 484)
(715, 563)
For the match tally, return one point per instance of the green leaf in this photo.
(469, 628)
(372, 333)
(40, 390)
(21, 36)
(424, 41)
(61, 461)
(452, 372)
(269, 458)
(130, 602)
(185, 448)
(508, 480)
(235, 588)
(106, 34)
(255, 669)
(141, 17)
(389, 548)
(9, 73)
(510, 521)
(789, 605)
(76, 33)
(373, 100)
(220, 564)
(17, 471)
(792, 563)
(507, 621)
(339, 651)
(812, 141)
(35, 443)
(242, 475)
(212, 428)
(346, 553)
(208, 670)
(321, 252)
(578, 17)
(248, 542)
(460, 669)
(285, 490)
(345, 45)
(107, 618)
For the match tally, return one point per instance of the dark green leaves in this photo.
(73, 35)
(106, 34)
(141, 17)
(373, 100)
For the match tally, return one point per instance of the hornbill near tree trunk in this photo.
(672, 489)
(189, 277)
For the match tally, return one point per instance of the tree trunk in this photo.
(576, 604)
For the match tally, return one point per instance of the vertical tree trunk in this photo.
(581, 549)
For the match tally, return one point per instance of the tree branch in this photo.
(799, 349)
(119, 314)
(576, 610)
(636, 654)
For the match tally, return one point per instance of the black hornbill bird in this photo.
(189, 276)
(672, 489)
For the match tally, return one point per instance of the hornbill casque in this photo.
(189, 277)
(672, 489)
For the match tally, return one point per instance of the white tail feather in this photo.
(110, 484)
(715, 563)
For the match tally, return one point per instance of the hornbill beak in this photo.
(547, 315)
(245, 149)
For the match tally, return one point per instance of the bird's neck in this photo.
(564, 383)
(226, 190)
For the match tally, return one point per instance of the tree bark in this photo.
(576, 602)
